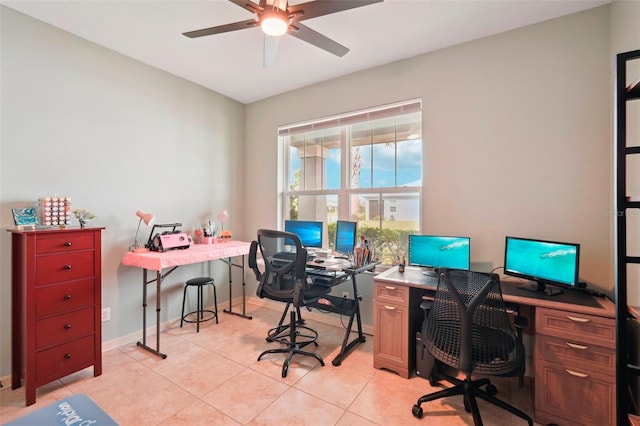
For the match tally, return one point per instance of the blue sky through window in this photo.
(383, 165)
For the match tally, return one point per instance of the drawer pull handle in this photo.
(67, 326)
(578, 319)
(67, 356)
(67, 244)
(575, 346)
(389, 287)
(576, 374)
(390, 308)
(67, 266)
(67, 297)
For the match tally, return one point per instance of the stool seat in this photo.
(200, 283)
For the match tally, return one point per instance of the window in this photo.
(364, 166)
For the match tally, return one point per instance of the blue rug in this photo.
(76, 410)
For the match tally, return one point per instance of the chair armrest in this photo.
(252, 261)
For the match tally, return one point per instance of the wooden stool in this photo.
(200, 282)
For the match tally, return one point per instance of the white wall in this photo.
(625, 36)
(517, 131)
(116, 136)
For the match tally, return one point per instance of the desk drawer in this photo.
(572, 396)
(65, 297)
(64, 327)
(575, 354)
(582, 328)
(64, 267)
(56, 243)
(391, 293)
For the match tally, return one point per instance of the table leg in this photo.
(347, 346)
(244, 302)
(143, 344)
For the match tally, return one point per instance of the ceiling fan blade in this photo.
(305, 33)
(249, 23)
(317, 8)
(271, 45)
(249, 5)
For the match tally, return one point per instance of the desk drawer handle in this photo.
(67, 297)
(390, 308)
(67, 326)
(575, 373)
(578, 319)
(67, 266)
(574, 346)
(67, 356)
(390, 287)
(67, 244)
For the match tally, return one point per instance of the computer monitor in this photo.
(543, 262)
(310, 232)
(346, 233)
(436, 251)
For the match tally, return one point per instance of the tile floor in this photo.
(213, 378)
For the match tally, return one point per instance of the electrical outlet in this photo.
(345, 294)
(106, 314)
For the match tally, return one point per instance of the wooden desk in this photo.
(169, 261)
(573, 353)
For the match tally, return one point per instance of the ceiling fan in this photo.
(277, 17)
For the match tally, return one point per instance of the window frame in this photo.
(345, 192)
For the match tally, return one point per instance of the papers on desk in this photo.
(331, 264)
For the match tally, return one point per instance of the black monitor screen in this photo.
(345, 236)
(310, 232)
(549, 262)
(439, 251)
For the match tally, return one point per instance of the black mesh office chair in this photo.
(284, 279)
(469, 330)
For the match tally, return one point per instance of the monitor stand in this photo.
(431, 272)
(541, 288)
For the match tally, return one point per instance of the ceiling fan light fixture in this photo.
(274, 23)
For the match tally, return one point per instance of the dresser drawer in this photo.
(575, 354)
(46, 244)
(391, 293)
(64, 359)
(64, 327)
(64, 267)
(58, 298)
(582, 328)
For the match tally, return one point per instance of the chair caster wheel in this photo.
(491, 389)
(417, 411)
(433, 382)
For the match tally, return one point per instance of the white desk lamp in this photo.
(147, 218)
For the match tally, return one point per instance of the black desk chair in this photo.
(469, 330)
(284, 279)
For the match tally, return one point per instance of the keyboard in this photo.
(291, 255)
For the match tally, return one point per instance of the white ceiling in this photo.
(231, 63)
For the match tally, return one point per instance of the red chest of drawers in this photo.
(56, 305)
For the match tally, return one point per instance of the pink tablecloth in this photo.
(195, 254)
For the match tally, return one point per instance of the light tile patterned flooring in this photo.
(213, 378)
